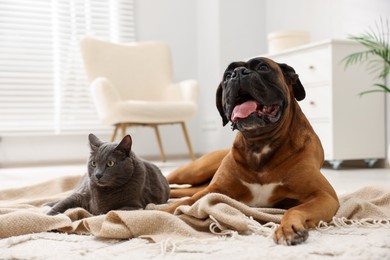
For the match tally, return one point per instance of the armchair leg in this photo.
(163, 158)
(115, 132)
(123, 127)
(186, 136)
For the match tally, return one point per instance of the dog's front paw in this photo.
(290, 234)
(169, 209)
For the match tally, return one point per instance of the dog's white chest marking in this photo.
(261, 193)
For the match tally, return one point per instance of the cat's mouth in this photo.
(99, 181)
(107, 181)
(102, 183)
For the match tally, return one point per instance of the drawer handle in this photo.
(312, 67)
(312, 103)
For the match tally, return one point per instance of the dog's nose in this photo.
(240, 71)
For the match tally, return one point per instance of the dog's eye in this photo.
(263, 67)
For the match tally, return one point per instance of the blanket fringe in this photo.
(254, 227)
(266, 230)
(218, 229)
(346, 223)
(169, 246)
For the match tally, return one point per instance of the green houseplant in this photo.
(376, 56)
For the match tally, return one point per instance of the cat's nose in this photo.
(99, 175)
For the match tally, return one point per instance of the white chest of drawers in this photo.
(350, 126)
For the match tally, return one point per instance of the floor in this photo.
(344, 180)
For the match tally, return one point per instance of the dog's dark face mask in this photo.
(253, 95)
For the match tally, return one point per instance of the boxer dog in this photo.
(276, 156)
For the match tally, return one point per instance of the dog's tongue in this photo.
(243, 110)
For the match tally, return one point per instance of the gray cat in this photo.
(117, 180)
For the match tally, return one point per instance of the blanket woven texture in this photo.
(23, 218)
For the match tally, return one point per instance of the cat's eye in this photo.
(110, 163)
(93, 163)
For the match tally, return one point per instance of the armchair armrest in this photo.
(105, 97)
(186, 90)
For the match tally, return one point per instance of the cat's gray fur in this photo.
(117, 180)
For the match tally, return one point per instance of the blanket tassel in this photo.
(346, 223)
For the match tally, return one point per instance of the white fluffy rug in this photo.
(335, 243)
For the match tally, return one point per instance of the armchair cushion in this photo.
(113, 110)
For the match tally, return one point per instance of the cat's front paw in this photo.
(52, 212)
(51, 204)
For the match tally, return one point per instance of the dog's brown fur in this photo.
(290, 154)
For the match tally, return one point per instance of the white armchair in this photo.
(132, 85)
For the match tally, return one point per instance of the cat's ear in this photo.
(125, 145)
(94, 142)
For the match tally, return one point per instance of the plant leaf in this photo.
(383, 89)
(376, 41)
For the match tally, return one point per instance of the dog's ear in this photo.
(293, 79)
(220, 105)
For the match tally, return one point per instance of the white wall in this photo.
(228, 31)
(325, 19)
(206, 35)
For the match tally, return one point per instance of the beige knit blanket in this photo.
(21, 212)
